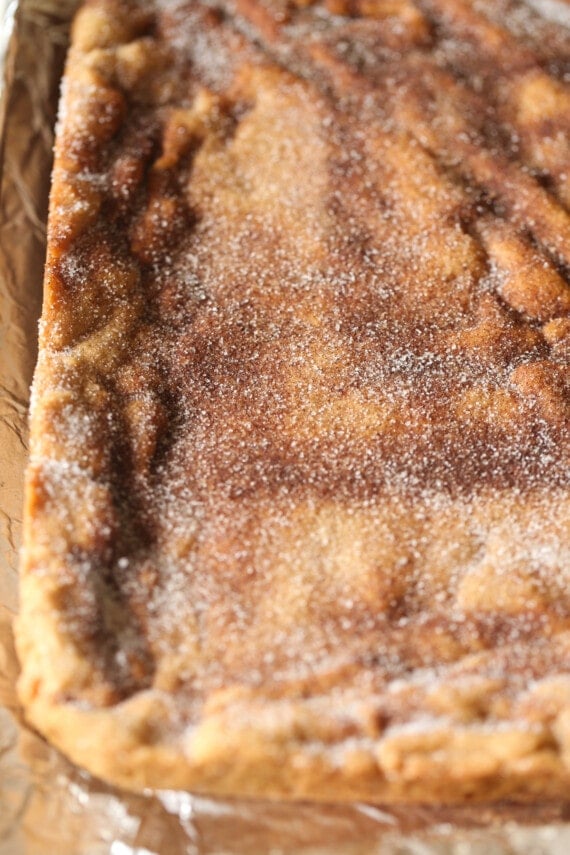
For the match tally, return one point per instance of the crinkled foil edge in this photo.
(8, 10)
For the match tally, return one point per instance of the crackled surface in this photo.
(299, 477)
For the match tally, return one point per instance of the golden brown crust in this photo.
(297, 518)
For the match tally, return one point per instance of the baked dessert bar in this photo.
(297, 518)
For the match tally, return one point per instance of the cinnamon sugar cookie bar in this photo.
(298, 510)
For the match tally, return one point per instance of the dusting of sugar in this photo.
(335, 443)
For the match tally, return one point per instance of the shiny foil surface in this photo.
(46, 804)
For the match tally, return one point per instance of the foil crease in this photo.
(46, 804)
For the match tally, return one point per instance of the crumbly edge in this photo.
(244, 745)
